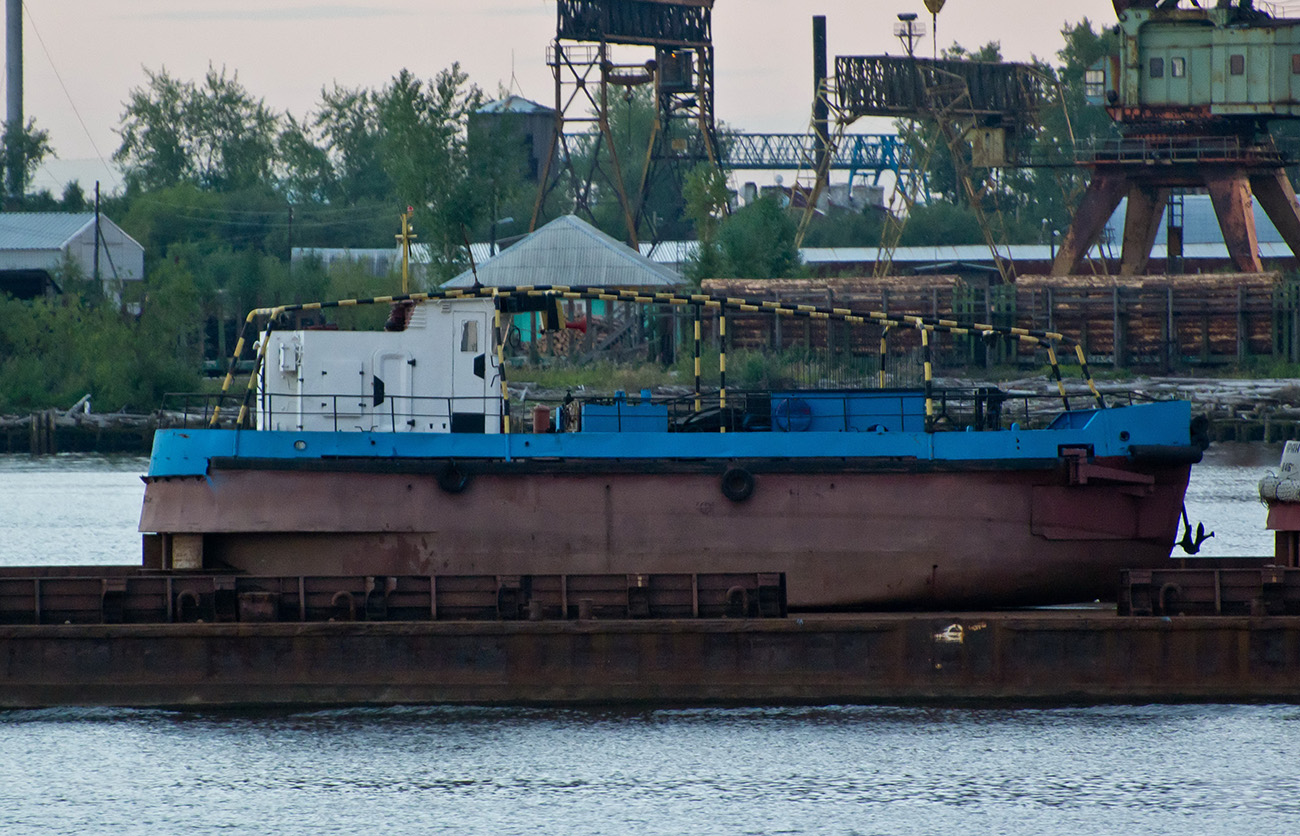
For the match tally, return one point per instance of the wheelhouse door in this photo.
(470, 373)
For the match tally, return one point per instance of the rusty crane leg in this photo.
(1231, 196)
(1274, 192)
(1146, 206)
(1098, 204)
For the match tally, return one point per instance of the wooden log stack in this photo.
(1152, 322)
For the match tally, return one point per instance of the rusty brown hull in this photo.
(1052, 656)
(848, 536)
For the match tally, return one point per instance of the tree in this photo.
(758, 242)
(347, 130)
(846, 228)
(25, 150)
(707, 196)
(74, 198)
(214, 135)
(424, 154)
(401, 145)
(940, 223)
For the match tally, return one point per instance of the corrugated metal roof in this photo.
(977, 253)
(514, 104)
(569, 251)
(1200, 224)
(423, 253)
(41, 230)
(670, 252)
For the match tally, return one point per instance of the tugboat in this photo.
(393, 453)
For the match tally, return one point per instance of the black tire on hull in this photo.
(452, 478)
(737, 484)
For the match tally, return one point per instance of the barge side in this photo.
(1042, 656)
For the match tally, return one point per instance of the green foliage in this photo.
(424, 152)
(54, 351)
(213, 134)
(24, 153)
(706, 194)
(843, 228)
(939, 224)
(758, 242)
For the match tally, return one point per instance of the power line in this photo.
(111, 173)
(268, 224)
(216, 209)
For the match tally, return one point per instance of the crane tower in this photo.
(1193, 91)
(676, 39)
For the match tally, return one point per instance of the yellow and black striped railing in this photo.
(700, 302)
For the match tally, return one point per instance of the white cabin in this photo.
(440, 374)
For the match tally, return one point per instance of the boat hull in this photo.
(848, 533)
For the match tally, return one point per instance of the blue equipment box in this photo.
(877, 410)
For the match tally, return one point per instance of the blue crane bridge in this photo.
(859, 154)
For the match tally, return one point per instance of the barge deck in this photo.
(1052, 655)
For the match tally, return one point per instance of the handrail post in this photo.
(722, 369)
(884, 334)
(698, 402)
(929, 379)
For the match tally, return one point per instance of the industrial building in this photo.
(41, 250)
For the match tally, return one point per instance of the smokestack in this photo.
(14, 173)
(820, 110)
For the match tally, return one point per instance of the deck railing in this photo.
(545, 297)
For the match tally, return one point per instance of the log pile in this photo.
(1220, 399)
(51, 431)
(1161, 322)
(913, 295)
(1158, 320)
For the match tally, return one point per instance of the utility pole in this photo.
(15, 171)
(405, 241)
(98, 238)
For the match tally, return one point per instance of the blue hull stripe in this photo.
(1110, 432)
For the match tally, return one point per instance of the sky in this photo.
(83, 58)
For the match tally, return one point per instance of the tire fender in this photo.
(452, 478)
(737, 484)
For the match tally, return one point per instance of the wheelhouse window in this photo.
(1236, 65)
(1177, 67)
(469, 336)
(1157, 68)
(1295, 63)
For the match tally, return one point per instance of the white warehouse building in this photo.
(38, 248)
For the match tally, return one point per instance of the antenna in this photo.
(909, 31)
(514, 80)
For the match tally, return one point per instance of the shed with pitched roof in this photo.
(38, 250)
(569, 251)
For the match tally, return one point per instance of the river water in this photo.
(1200, 769)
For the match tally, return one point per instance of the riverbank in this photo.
(76, 431)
